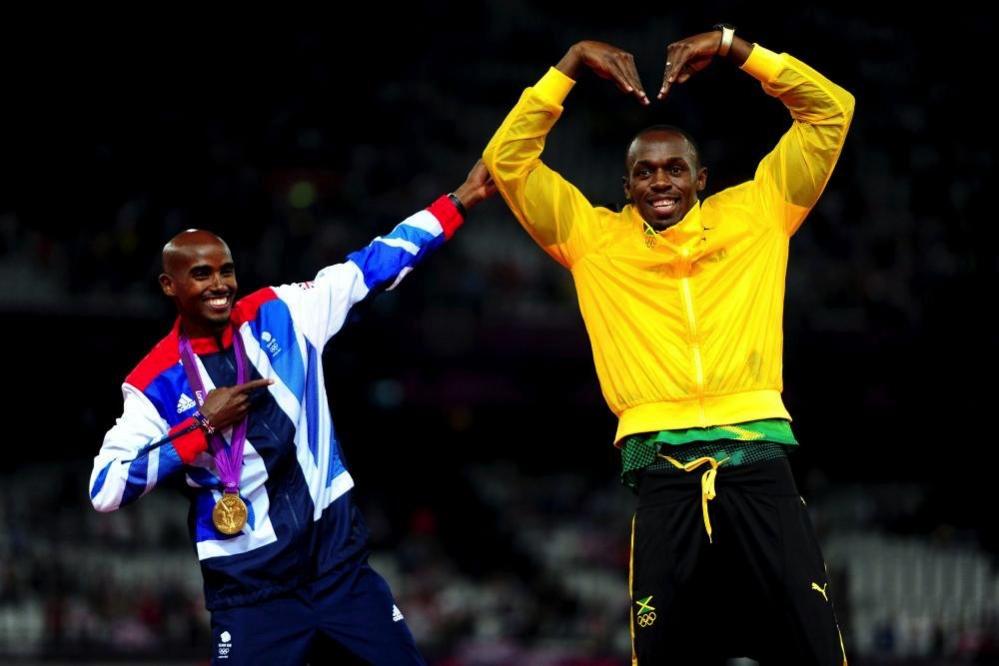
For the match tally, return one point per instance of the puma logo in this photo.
(821, 590)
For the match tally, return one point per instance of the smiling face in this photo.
(664, 176)
(200, 277)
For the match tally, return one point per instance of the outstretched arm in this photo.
(320, 307)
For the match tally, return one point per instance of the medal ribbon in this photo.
(228, 457)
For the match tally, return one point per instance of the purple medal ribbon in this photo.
(228, 457)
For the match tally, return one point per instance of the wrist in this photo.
(463, 199)
(204, 423)
(727, 34)
(569, 64)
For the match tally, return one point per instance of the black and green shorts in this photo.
(757, 587)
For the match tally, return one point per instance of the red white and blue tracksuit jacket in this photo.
(301, 521)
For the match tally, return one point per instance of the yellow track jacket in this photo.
(687, 332)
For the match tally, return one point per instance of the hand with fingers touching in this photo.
(226, 405)
(607, 62)
(681, 291)
(689, 56)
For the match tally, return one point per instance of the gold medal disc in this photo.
(229, 514)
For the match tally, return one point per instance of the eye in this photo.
(228, 271)
(676, 170)
(643, 172)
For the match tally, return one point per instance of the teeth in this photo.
(218, 302)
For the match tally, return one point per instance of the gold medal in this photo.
(229, 514)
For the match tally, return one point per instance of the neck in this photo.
(194, 329)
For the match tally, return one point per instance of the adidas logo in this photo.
(396, 613)
(185, 403)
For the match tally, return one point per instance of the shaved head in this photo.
(179, 251)
(655, 132)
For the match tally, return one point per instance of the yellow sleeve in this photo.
(796, 171)
(552, 210)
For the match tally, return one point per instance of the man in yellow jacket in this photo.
(683, 302)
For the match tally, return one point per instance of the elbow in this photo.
(102, 497)
(490, 157)
(507, 165)
(102, 504)
(501, 157)
(849, 102)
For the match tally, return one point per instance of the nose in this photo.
(660, 181)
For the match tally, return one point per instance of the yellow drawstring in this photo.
(707, 483)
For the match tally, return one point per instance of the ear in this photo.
(627, 188)
(702, 178)
(166, 284)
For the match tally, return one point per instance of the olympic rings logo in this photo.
(647, 619)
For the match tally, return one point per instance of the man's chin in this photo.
(218, 319)
(661, 224)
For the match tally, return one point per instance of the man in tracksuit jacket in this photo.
(293, 583)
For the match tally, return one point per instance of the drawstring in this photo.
(707, 483)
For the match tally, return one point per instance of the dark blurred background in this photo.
(466, 400)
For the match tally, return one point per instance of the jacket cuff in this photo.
(762, 64)
(554, 86)
(447, 214)
(189, 445)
